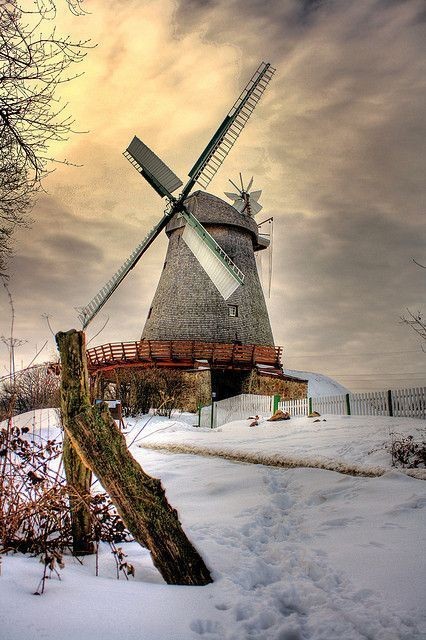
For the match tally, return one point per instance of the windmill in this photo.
(219, 267)
(209, 310)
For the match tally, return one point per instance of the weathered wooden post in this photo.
(139, 498)
(74, 399)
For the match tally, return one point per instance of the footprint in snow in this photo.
(339, 522)
(203, 627)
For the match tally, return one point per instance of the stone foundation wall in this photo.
(140, 389)
(264, 385)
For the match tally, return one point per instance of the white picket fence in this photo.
(404, 403)
(329, 404)
(373, 403)
(236, 408)
(408, 403)
(295, 408)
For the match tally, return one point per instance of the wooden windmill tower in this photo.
(209, 307)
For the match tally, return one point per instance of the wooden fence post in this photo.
(390, 403)
(348, 404)
(276, 400)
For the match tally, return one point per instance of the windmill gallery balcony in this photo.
(186, 355)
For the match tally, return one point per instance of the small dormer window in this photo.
(233, 310)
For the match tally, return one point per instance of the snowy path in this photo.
(299, 554)
(281, 588)
(283, 565)
(356, 445)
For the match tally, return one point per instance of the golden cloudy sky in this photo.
(337, 144)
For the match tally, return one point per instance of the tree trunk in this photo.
(74, 399)
(139, 498)
(79, 479)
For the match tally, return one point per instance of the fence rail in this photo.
(408, 403)
(374, 403)
(330, 404)
(404, 403)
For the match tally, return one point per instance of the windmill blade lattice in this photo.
(87, 313)
(224, 274)
(223, 140)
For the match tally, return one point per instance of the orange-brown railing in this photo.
(181, 353)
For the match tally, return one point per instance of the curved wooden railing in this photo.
(182, 353)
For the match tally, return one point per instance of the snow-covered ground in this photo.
(296, 554)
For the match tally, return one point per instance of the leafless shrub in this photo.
(136, 390)
(34, 502)
(34, 388)
(33, 498)
(170, 388)
(160, 389)
(417, 323)
(407, 452)
(416, 320)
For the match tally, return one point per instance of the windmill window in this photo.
(149, 313)
(233, 310)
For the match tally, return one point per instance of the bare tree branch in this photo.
(34, 62)
(418, 264)
(416, 322)
(100, 331)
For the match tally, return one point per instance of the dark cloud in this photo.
(193, 14)
(347, 285)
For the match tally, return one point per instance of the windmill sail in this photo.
(154, 170)
(87, 313)
(224, 274)
(223, 140)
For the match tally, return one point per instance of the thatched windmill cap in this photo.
(211, 210)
